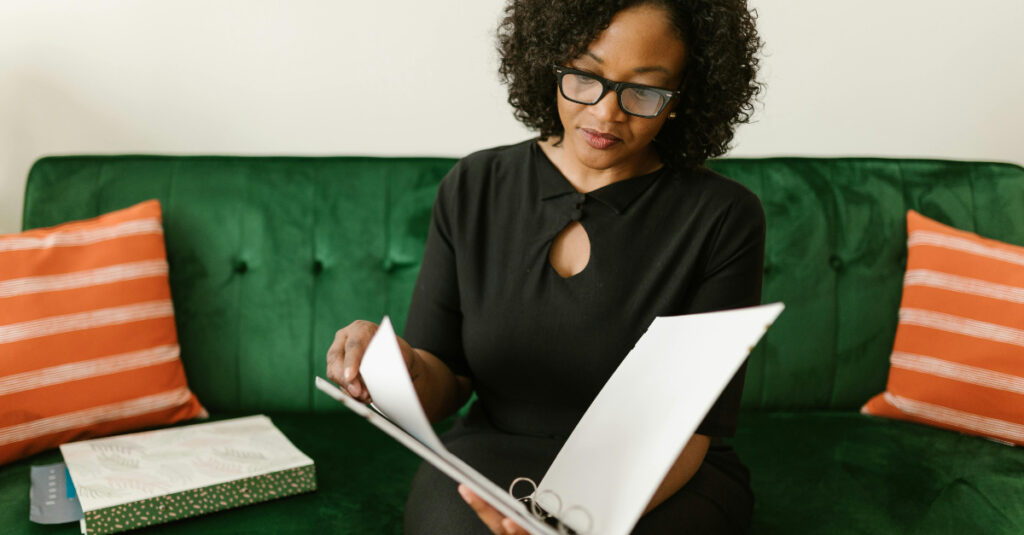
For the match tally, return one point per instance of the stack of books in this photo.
(141, 479)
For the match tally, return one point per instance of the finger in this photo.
(360, 333)
(408, 354)
(511, 528)
(363, 393)
(336, 358)
(489, 515)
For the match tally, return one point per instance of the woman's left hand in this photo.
(498, 523)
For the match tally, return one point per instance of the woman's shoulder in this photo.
(488, 167)
(712, 182)
(711, 189)
(496, 159)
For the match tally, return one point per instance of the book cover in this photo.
(141, 479)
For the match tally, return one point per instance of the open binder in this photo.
(599, 483)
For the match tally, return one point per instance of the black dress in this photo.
(539, 347)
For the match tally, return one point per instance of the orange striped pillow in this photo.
(88, 344)
(958, 358)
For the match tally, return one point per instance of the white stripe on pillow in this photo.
(102, 317)
(82, 279)
(959, 325)
(958, 372)
(94, 415)
(85, 369)
(938, 239)
(944, 415)
(966, 285)
(74, 238)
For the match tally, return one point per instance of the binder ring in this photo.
(565, 529)
(535, 506)
(518, 480)
(553, 511)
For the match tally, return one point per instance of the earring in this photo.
(672, 115)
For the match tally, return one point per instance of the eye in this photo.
(582, 80)
(645, 95)
(641, 101)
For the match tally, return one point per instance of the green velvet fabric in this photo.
(362, 478)
(270, 255)
(813, 472)
(835, 254)
(842, 472)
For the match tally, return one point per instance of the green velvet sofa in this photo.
(270, 255)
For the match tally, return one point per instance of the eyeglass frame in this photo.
(618, 87)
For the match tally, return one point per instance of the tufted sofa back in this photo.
(270, 255)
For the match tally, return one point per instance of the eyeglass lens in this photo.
(587, 90)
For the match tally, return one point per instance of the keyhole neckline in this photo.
(571, 251)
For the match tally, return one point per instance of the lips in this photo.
(599, 140)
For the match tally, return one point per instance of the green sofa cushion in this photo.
(829, 472)
(813, 472)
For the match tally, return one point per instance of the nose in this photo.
(607, 109)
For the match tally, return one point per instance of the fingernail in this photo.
(354, 389)
(350, 373)
(464, 492)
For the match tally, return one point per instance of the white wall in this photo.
(933, 78)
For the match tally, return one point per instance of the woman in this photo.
(546, 260)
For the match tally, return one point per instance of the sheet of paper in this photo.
(444, 461)
(387, 379)
(634, 430)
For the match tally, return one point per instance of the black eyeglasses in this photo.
(583, 87)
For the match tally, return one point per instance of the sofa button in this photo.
(835, 262)
(767, 269)
(389, 265)
(318, 267)
(241, 267)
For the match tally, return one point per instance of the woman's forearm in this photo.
(441, 392)
(685, 466)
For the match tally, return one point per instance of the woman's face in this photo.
(639, 46)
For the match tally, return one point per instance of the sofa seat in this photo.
(813, 472)
(359, 492)
(843, 472)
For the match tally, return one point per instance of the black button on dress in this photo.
(539, 347)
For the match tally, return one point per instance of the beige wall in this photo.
(933, 78)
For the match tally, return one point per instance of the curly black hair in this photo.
(720, 71)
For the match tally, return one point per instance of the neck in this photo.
(586, 179)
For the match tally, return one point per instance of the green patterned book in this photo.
(140, 479)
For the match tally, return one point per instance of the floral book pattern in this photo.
(140, 479)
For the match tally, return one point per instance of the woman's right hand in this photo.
(346, 353)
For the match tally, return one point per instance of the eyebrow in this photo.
(638, 70)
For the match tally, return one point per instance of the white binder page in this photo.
(444, 461)
(634, 430)
(387, 379)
